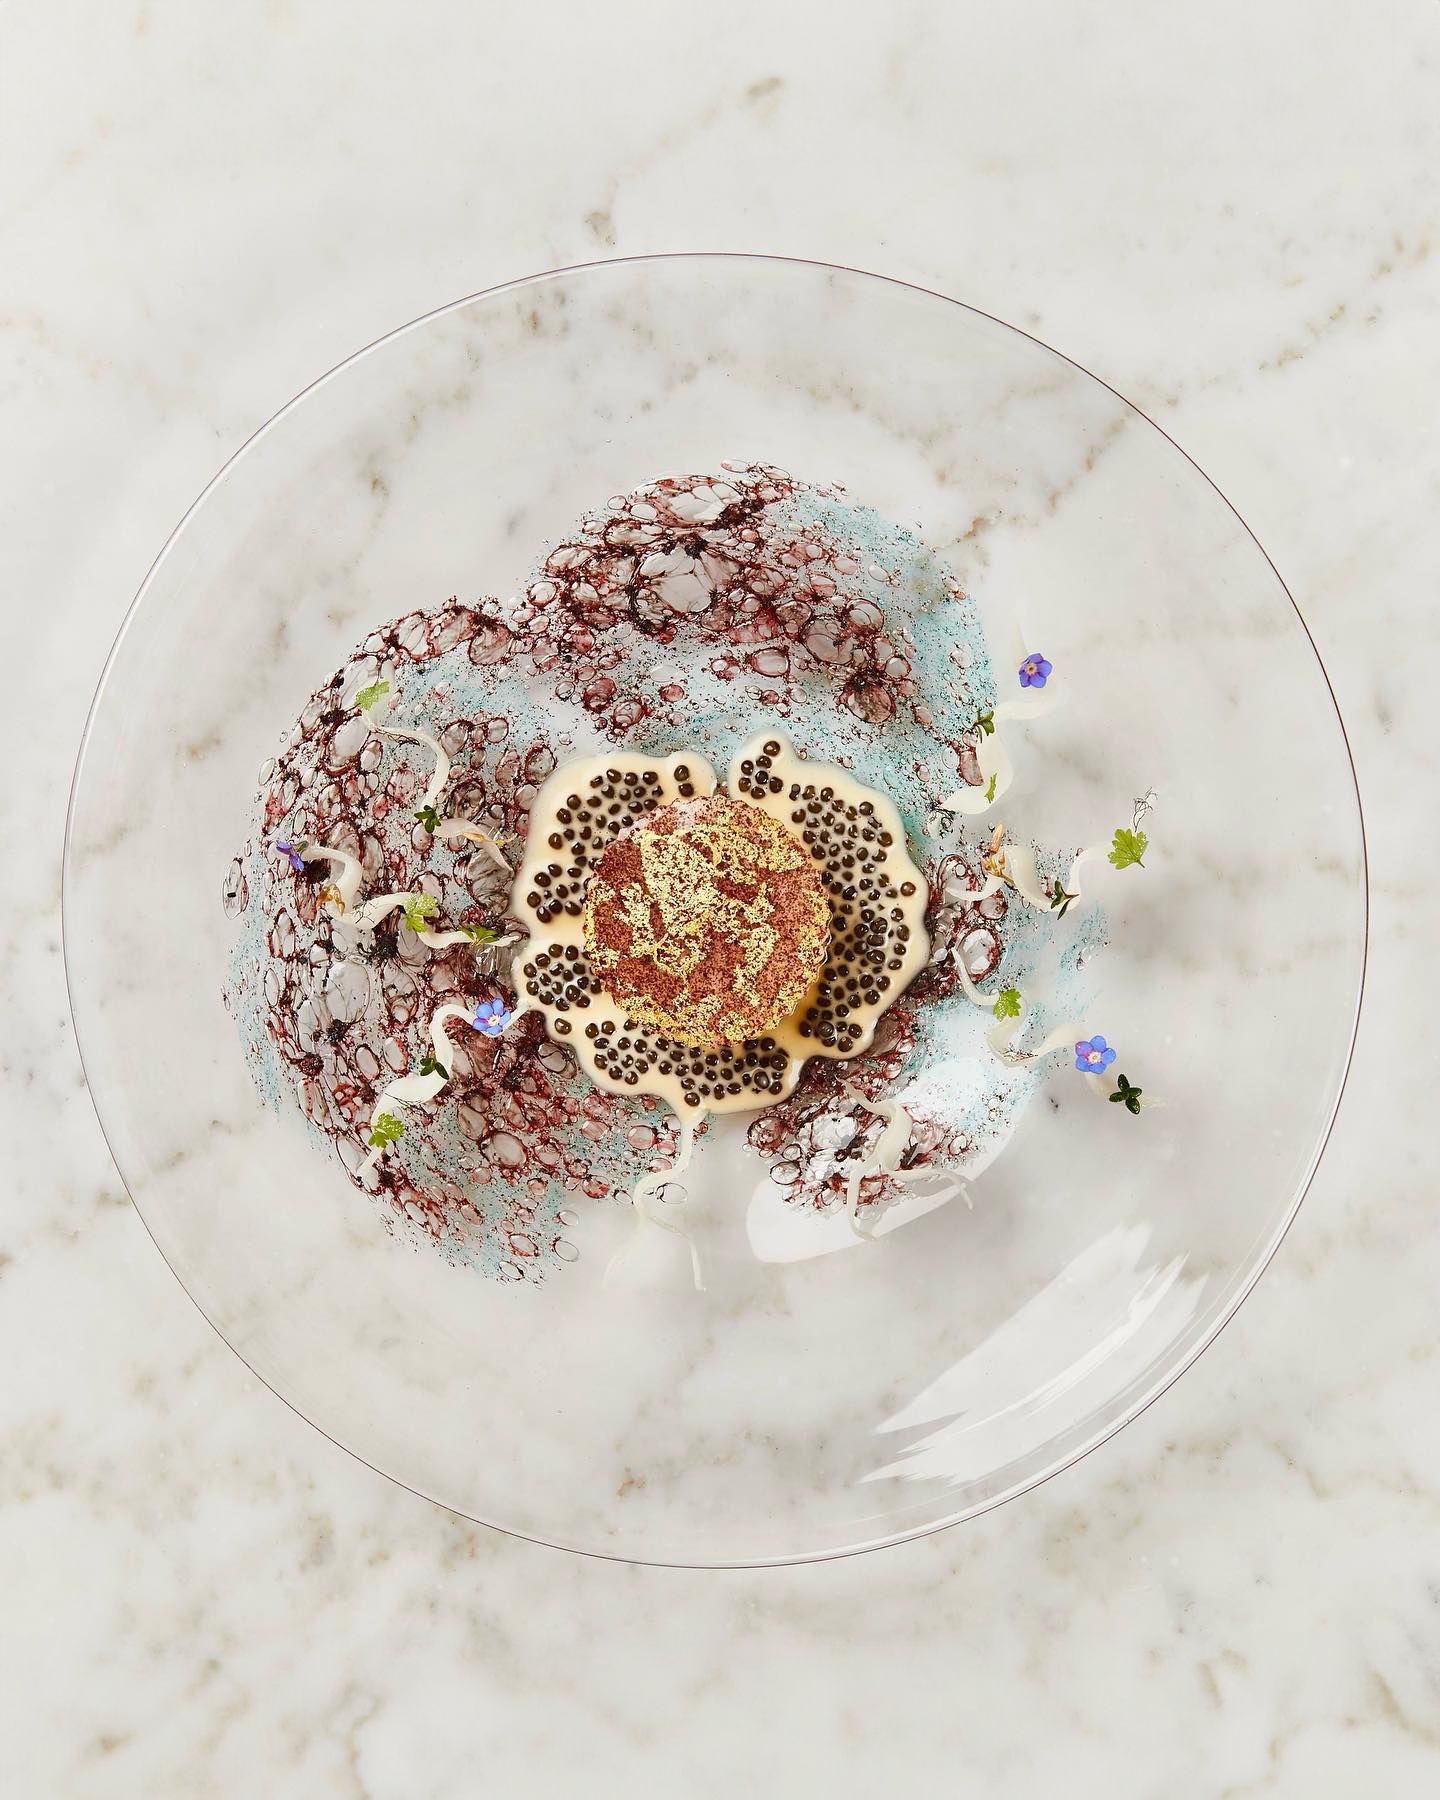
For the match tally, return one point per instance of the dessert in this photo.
(538, 888)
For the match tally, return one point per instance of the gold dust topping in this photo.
(707, 920)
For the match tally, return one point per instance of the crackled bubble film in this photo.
(675, 622)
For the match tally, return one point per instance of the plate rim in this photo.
(1148, 1397)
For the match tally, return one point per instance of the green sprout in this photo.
(1128, 848)
(990, 789)
(1127, 1094)
(419, 908)
(1007, 1004)
(480, 934)
(367, 696)
(429, 818)
(386, 1130)
(430, 1066)
(1060, 901)
(985, 722)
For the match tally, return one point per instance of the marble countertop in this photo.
(1228, 213)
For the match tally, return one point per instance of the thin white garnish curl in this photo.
(468, 830)
(647, 1185)
(347, 883)
(416, 1090)
(884, 1155)
(374, 911)
(374, 711)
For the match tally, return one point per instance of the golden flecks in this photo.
(719, 930)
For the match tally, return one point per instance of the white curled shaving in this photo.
(372, 714)
(647, 1185)
(992, 755)
(995, 766)
(374, 911)
(1000, 1035)
(346, 885)
(471, 832)
(883, 1157)
(415, 1090)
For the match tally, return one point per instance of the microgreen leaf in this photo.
(419, 908)
(1127, 1094)
(1060, 901)
(387, 1129)
(1007, 1004)
(990, 789)
(985, 721)
(480, 934)
(367, 696)
(429, 1065)
(429, 818)
(1128, 848)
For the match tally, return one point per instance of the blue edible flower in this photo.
(492, 1016)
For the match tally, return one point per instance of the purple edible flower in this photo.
(492, 1016)
(1093, 1056)
(283, 847)
(1035, 670)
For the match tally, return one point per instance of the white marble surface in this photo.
(1228, 213)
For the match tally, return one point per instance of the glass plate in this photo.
(809, 1402)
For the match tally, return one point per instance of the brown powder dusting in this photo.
(706, 920)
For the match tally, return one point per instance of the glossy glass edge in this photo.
(1147, 1399)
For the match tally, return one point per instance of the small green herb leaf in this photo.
(1060, 901)
(419, 908)
(990, 789)
(480, 934)
(429, 818)
(985, 722)
(387, 1129)
(367, 696)
(1128, 847)
(429, 1066)
(1126, 1094)
(1007, 1004)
